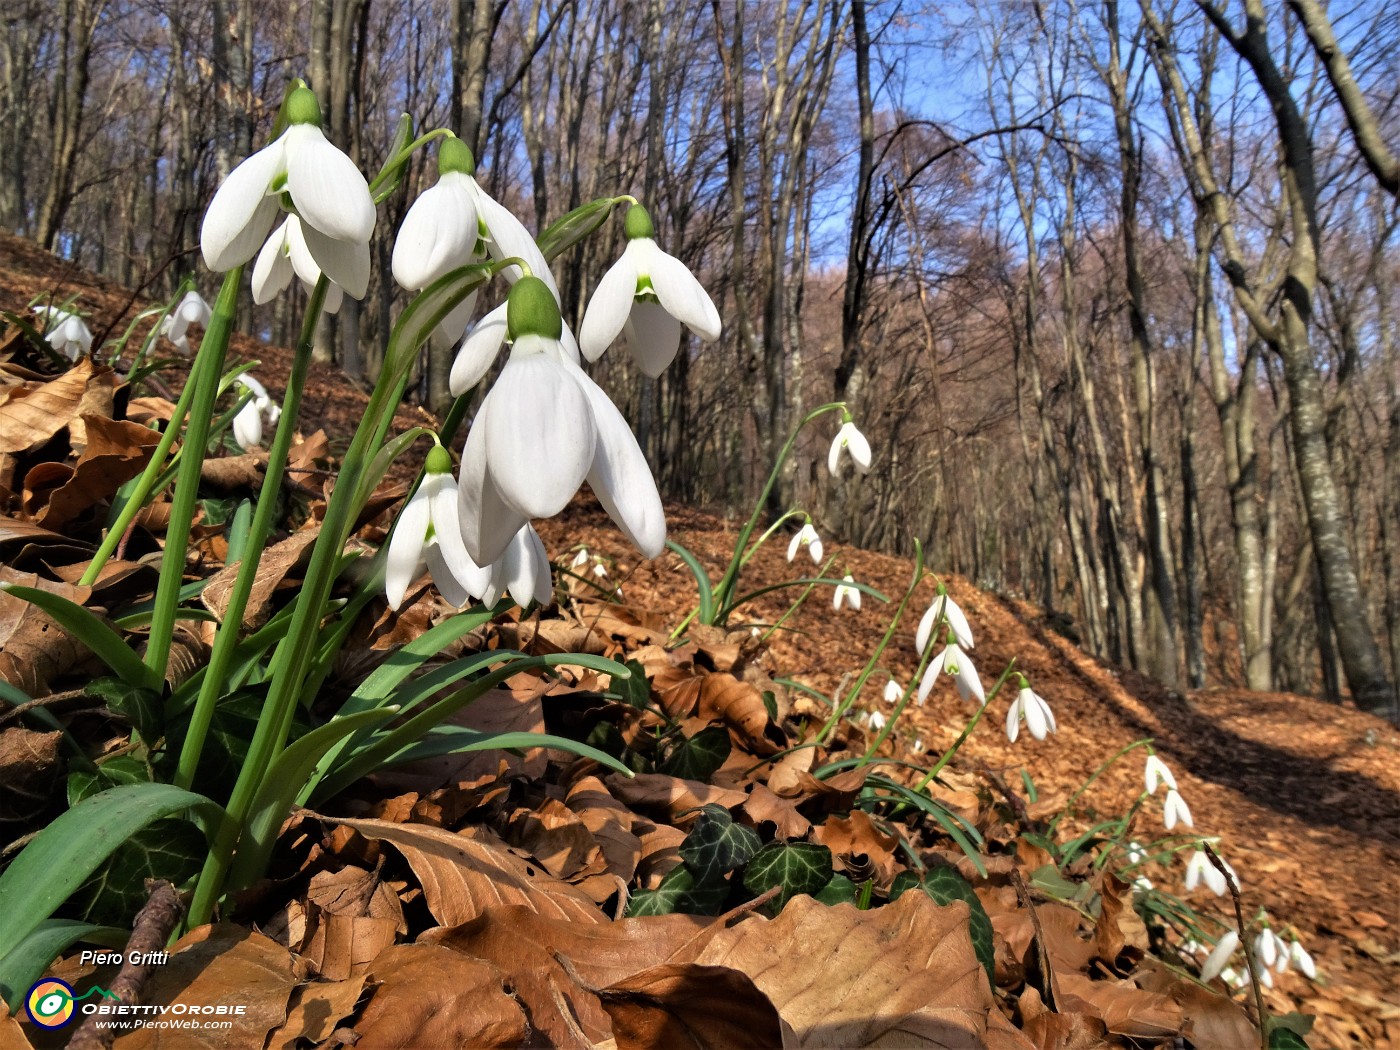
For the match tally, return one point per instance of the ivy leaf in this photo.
(716, 845)
(636, 691)
(1286, 1039)
(123, 769)
(945, 885)
(680, 891)
(142, 708)
(905, 880)
(699, 757)
(797, 867)
(171, 849)
(840, 890)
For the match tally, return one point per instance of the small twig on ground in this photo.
(1250, 961)
(1052, 983)
(52, 700)
(149, 935)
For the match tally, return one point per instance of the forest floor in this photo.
(1303, 796)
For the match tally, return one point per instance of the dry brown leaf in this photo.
(661, 851)
(611, 825)
(462, 874)
(228, 473)
(429, 996)
(315, 1010)
(783, 777)
(149, 409)
(28, 768)
(30, 415)
(343, 946)
(1124, 1008)
(683, 1006)
(276, 564)
(35, 649)
(904, 975)
(12, 1036)
(717, 696)
(116, 452)
(855, 841)
(669, 798)
(1120, 930)
(762, 805)
(555, 836)
(216, 966)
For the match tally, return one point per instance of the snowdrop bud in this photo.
(893, 691)
(600, 572)
(1136, 853)
(1220, 955)
(1156, 772)
(1142, 884)
(247, 426)
(1266, 946)
(852, 440)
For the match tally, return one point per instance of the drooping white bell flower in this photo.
(893, 691)
(1266, 946)
(1175, 811)
(522, 571)
(646, 295)
(1156, 772)
(845, 594)
(259, 411)
(192, 309)
(1301, 960)
(1199, 869)
(1220, 955)
(285, 254)
(580, 559)
(1142, 884)
(304, 172)
(959, 666)
(806, 537)
(1032, 707)
(853, 441)
(66, 332)
(1136, 852)
(483, 343)
(877, 720)
(943, 610)
(544, 429)
(428, 533)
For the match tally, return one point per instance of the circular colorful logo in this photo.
(50, 1003)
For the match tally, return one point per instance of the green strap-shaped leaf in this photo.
(706, 612)
(85, 627)
(716, 845)
(61, 856)
(796, 867)
(26, 962)
(698, 757)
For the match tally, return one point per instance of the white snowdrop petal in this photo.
(273, 270)
(1220, 955)
(454, 324)
(1013, 721)
(406, 549)
(833, 456)
(478, 351)
(447, 530)
(930, 679)
(330, 194)
(510, 238)
(247, 427)
(238, 218)
(344, 262)
(962, 631)
(926, 624)
(793, 545)
(653, 337)
(438, 234)
(860, 450)
(1035, 717)
(609, 307)
(486, 523)
(680, 293)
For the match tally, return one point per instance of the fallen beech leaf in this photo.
(344, 946)
(611, 825)
(314, 1012)
(461, 875)
(762, 805)
(276, 564)
(903, 975)
(857, 836)
(1120, 931)
(555, 836)
(432, 996)
(214, 966)
(683, 1006)
(116, 452)
(1124, 1008)
(30, 415)
(671, 798)
(28, 767)
(717, 696)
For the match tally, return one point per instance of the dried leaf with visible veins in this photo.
(432, 996)
(682, 1006)
(30, 415)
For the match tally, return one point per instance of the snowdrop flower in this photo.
(260, 410)
(806, 537)
(1156, 772)
(285, 254)
(544, 429)
(1220, 955)
(1233, 979)
(1266, 947)
(1199, 869)
(600, 571)
(893, 691)
(647, 295)
(918, 745)
(580, 559)
(428, 531)
(1175, 810)
(65, 332)
(846, 594)
(877, 721)
(851, 439)
(1136, 852)
(1030, 705)
(323, 186)
(1299, 957)
(943, 609)
(192, 309)
(1192, 947)
(956, 663)
(522, 571)
(1142, 884)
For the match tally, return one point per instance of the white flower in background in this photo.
(544, 429)
(65, 332)
(806, 537)
(647, 295)
(259, 411)
(1156, 772)
(893, 691)
(522, 571)
(846, 594)
(285, 254)
(428, 532)
(957, 664)
(1220, 955)
(192, 309)
(1175, 810)
(943, 610)
(325, 189)
(1136, 852)
(580, 559)
(877, 720)
(1142, 884)
(918, 745)
(1199, 869)
(1032, 707)
(1267, 947)
(1192, 947)
(851, 439)
(600, 571)
(1301, 960)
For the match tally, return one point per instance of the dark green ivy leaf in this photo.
(716, 845)
(699, 757)
(840, 890)
(680, 891)
(797, 867)
(944, 885)
(140, 708)
(123, 769)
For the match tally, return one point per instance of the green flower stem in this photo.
(767, 535)
(730, 580)
(1069, 806)
(967, 729)
(401, 157)
(172, 565)
(850, 698)
(226, 639)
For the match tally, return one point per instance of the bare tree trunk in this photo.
(77, 21)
